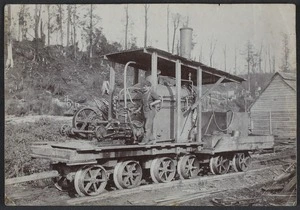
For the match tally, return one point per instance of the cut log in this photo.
(32, 177)
(285, 176)
(273, 188)
(289, 187)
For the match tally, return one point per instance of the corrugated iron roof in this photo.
(166, 64)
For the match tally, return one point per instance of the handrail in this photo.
(125, 86)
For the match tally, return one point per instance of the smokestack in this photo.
(186, 42)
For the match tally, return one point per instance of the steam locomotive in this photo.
(188, 139)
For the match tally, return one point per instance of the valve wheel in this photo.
(90, 180)
(162, 170)
(219, 164)
(84, 118)
(64, 129)
(127, 174)
(188, 167)
(241, 162)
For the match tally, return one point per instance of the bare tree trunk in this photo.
(212, 51)
(43, 36)
(274, 67)
(48, 24)
(224, 51)
(9, 60)
(91, 35)
(74, 31)
(146, 6)
(200, 55)
(37, 17)
(168, 28)
(235, 61)
(260, 59)
(126, 26)
(68, 25)
(248, 64)
(60, 24)
(176, 21)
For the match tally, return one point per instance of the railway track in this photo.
(174, 184)
(259, 161)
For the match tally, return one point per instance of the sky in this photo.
(226, 25)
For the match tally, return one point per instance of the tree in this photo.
(212, 48)
(249, 59)
(176, 21)
(48, 23)
(37, 17)
(259, 58)
(146, 6)
(88, 24)
(91, 35)
(23, 15)
(200, 54)
(68, 24)
(224, 52)
(235, 57)
(59, 19)
(75, 17)
(168, 28)
(9, 59)
(286, 53)
(126, 26)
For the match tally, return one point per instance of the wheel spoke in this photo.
(161, 174)
(166, 175)
(87, 187)
(83, 125)
(95, 187)
(83, 113)
(136, 173)
(100, 180)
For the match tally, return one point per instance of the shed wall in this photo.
(274, 112)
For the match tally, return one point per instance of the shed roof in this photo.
(166, 64)
(288, 78)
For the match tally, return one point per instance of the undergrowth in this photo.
(18, 138)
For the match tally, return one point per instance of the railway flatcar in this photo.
(188, 141)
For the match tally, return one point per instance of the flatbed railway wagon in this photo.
(189, 141)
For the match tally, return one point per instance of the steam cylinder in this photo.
(186, 42)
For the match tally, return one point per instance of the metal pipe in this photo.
(125, 87)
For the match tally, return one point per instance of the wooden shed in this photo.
(275, 109)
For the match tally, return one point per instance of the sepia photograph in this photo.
(150, 105)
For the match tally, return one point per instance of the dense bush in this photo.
(18, 138)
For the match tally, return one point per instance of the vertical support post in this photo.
(135, 76)
(178, 99)
(199, 107)
(112, 74)
(154, 70)
(270, 122)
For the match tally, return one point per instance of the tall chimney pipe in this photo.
(186, 42)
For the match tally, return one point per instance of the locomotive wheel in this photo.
(90, 180)
(127, 174)
(188, 167)
(84, 118)
(162, 170)
(241, 161)
(219, 164)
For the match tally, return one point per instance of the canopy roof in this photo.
(166, 64)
